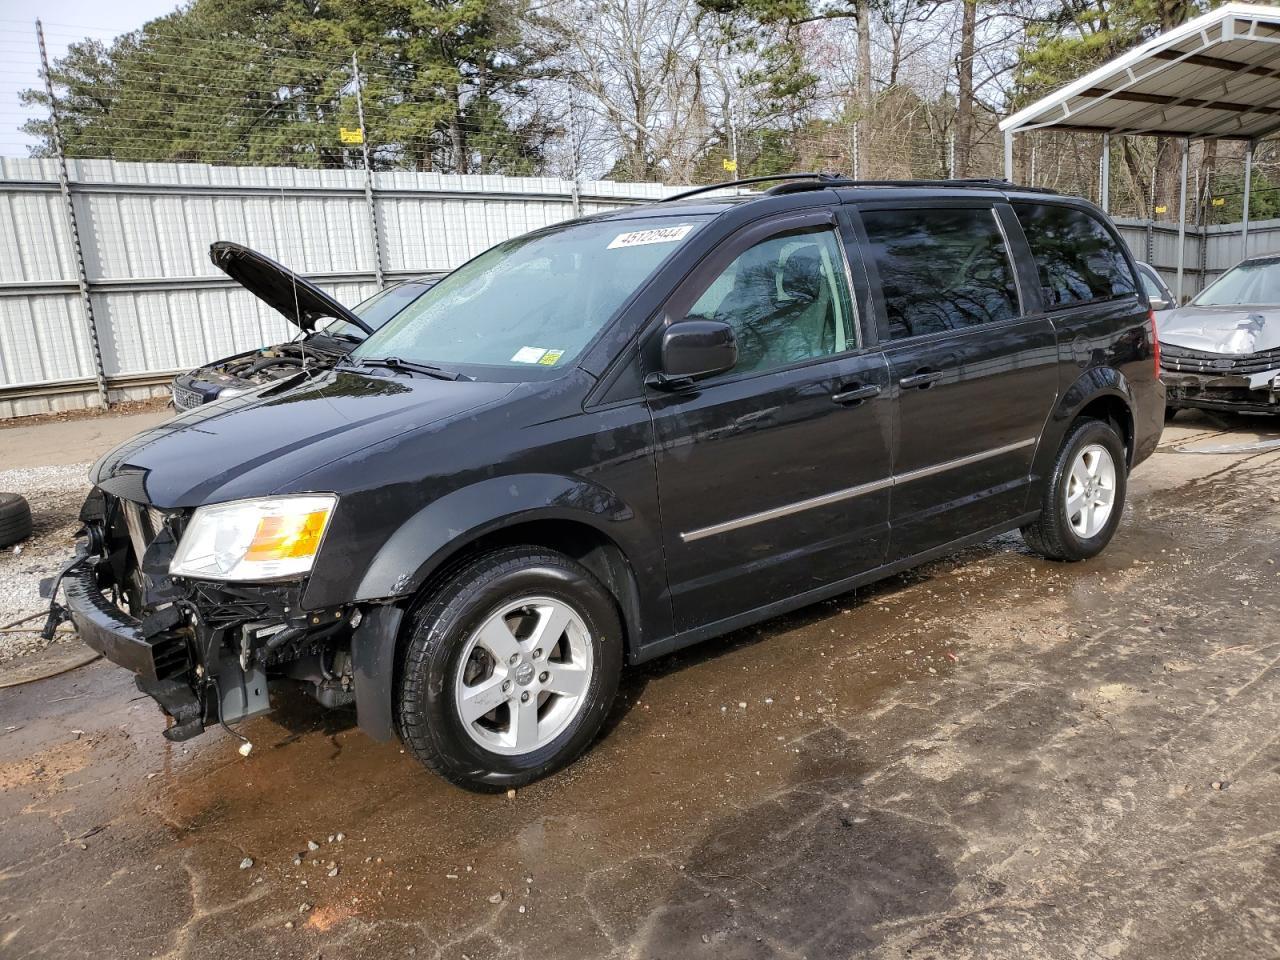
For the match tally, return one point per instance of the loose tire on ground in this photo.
(1056, 533)
(444, 648)
(1170, 413)
(15, 519)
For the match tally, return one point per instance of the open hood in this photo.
(300, 301)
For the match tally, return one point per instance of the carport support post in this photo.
(368, 179)
(1182, 215)
(1104, 192)
(1248, 185)
(64, 187)
(1008, 156)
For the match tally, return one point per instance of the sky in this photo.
(65, 22)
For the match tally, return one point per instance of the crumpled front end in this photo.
(206, 652)
(1248, 382)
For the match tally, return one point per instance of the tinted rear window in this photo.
(1077, 257)
(940, 269)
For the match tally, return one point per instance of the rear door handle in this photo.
(855, 395)
(920, 379)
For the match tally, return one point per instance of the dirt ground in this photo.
(990, 757)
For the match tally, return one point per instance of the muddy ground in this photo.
(993, 756)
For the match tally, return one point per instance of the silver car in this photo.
(1222, 350)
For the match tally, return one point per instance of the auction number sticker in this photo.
(538, 355)
(640, 238)
(529, 355)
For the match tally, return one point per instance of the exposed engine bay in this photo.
(273, 363)
(245, 371)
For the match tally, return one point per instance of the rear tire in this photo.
(1084, 498)
(510, 670)
(15, 519)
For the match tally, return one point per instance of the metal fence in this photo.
(115, 299)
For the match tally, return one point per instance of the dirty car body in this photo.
(328, 329)
(609, 439)
(1222, 350)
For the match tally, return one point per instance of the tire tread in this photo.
(426, 638)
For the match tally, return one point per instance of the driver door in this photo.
(773, 477)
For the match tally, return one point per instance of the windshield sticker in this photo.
(530, 355)
(642, 237)
(551, 357)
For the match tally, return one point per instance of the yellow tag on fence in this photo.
(1219, 201)
(1161, 208)
(731, 166)
(351, 136)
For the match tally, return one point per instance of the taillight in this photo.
(1155, 341)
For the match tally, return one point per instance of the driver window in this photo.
(787, 299)
(940, 269)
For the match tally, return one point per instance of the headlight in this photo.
(263, 539)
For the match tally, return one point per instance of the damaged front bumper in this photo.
(1250, 393)
(209, 653)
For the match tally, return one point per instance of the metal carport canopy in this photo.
(1214, 77)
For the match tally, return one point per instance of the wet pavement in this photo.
(993, 756)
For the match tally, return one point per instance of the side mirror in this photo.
(1158, 303)
(693, 349)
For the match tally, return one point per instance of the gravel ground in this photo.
(55, 495)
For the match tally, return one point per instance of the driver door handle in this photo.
(920, 379)
(856, 394)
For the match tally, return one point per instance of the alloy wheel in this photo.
(523, 675)
(1090, 491)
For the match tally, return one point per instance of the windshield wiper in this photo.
(395, 363)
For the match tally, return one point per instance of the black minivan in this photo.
(604, 440)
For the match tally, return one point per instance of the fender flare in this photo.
(1092, 384)
(423, 543)
(425, 539)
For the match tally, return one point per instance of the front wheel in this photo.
(510, 670)
(1084, 497)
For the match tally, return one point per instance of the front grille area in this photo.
(185, 399)
(1182, 360)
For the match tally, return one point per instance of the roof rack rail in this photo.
(798, 182)
(724, 185)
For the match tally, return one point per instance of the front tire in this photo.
(1084, 498)
(510, 670)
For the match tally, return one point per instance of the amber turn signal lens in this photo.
(282, 538)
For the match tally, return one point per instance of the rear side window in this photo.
(940, 269)
(1076, 255)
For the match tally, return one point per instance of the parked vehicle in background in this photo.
(329, 329)
(1221, 351)
(1158, 293)
(608, 439)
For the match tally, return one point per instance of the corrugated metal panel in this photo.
(43, 338)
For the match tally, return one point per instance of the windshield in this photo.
(378, 309)
(1252, 282)
(533, 303)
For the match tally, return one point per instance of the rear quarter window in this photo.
(1077, 258)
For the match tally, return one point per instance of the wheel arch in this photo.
(1102, 393)
(580, 519)
(573, 536)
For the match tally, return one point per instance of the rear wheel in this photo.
(1084, 497)
(511, 669)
